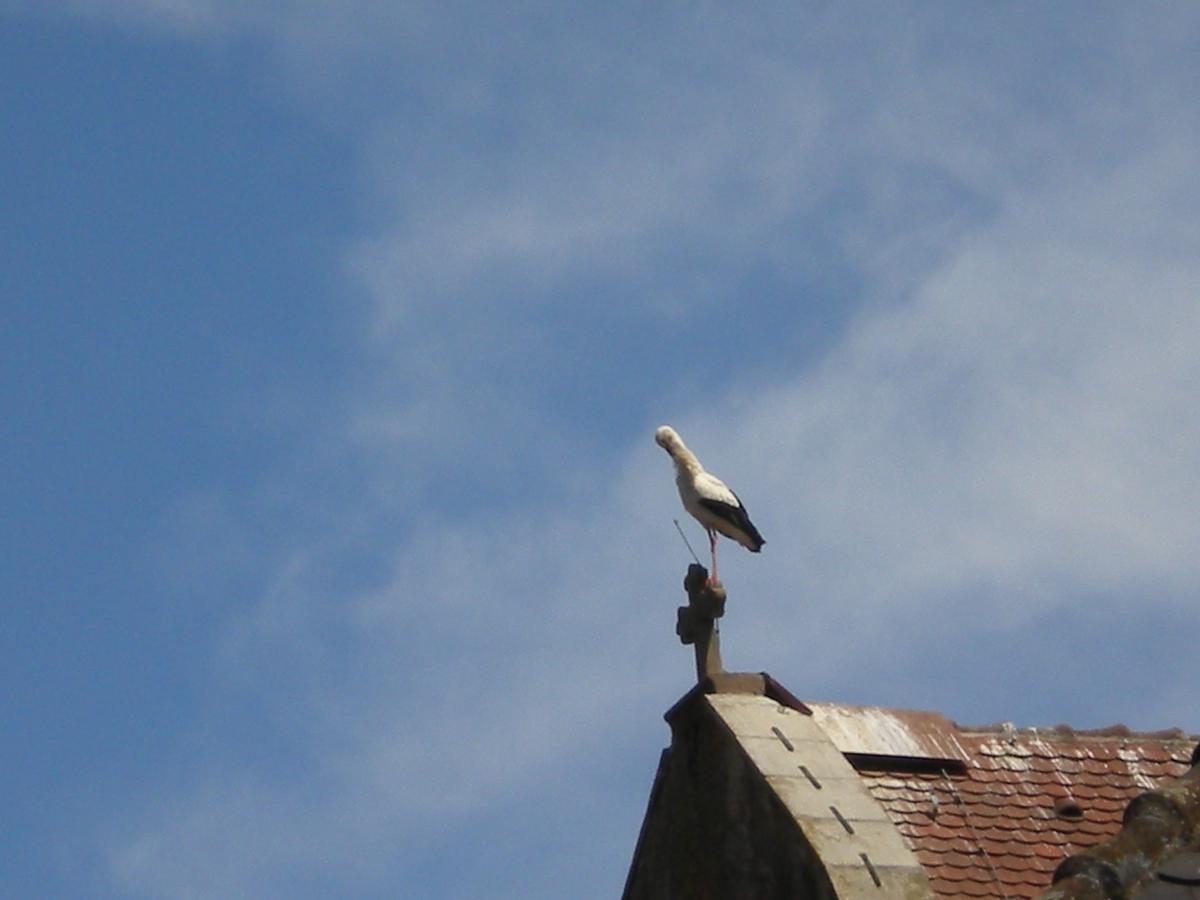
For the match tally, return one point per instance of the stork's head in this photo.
(666, 438)
(684, 459)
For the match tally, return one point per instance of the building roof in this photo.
(992, 811)
(762, 795)
(787, 798)
(753, 800)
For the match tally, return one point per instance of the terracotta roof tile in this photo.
(987, 826)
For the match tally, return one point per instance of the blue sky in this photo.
(338, 554)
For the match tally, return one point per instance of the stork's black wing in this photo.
(737, 517)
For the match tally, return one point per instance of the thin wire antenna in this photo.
(687, 543)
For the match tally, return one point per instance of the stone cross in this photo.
(696, 622)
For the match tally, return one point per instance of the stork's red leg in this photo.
(712, 552)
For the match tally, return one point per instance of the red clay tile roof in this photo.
(996, 813)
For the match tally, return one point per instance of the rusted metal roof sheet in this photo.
(906, 733)
(990, 812)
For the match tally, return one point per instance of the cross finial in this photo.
(696, 622)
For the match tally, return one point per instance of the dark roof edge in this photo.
(754, 683)
(664, 760)
(773, 690)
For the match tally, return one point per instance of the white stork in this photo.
(707, 498)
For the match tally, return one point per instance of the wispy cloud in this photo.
(999, 422)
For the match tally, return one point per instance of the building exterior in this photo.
(761, 795)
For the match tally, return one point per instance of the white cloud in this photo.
(1009, 419)
(1024, 421)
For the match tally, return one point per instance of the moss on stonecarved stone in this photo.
(1157, 825)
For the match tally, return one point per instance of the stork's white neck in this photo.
(685, 459)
